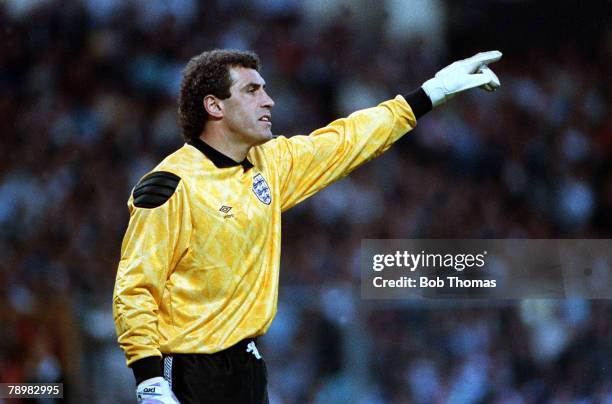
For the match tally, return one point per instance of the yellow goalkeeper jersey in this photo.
(199, 272)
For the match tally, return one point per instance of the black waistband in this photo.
(238, 348)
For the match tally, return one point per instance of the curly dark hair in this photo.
(208, 73)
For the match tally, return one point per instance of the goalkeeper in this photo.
(197, 281)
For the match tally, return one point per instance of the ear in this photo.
(213, 106)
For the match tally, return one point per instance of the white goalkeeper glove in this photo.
(463, 75)
(155, 391)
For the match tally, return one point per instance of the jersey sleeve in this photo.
(156, 238)
(309, 163)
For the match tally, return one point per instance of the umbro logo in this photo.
(225, 210)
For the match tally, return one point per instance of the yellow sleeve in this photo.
(154, 242)
(309, 163)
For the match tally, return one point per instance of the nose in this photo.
(267, 101)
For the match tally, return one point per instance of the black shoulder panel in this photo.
(155, 189)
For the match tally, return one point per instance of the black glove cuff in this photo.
(147, 368)
(419, 102)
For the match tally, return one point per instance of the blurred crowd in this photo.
(88, 94)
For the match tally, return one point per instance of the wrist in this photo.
(147, 368)
(419, 102)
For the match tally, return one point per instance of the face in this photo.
(246, 113)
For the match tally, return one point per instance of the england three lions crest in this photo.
(261, 189)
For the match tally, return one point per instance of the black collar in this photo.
(219, 159)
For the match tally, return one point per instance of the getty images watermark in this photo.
(497, 269)
(411, 262)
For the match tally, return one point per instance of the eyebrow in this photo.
(253, 85)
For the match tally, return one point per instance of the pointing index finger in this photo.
(484, 58)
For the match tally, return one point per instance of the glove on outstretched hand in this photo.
(463, 75)
(155, 391)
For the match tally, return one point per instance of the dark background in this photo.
(88, 105)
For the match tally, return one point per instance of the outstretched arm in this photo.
(306, 164)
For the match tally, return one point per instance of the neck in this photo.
(222, 143)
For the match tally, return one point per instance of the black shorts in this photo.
(235, 375)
